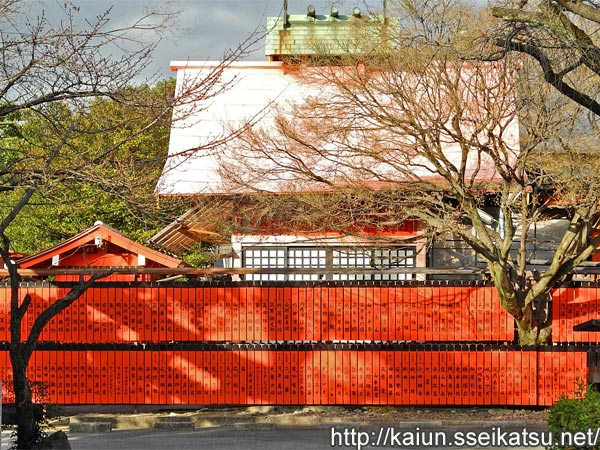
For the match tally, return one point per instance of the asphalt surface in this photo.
(328, 428)
(297, 438)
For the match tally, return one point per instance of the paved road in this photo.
(224, 438)
(205, 438)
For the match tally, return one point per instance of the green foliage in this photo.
(580, 413)
(200, 255)
(107, 168)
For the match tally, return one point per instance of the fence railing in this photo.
(396, 343)
(426, 375)
(261, 312)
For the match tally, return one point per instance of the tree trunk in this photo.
(534, 318)
(530, 334)
(28, 429)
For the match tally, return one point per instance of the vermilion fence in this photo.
(297, 343)
(574, 304)
(254, 312)
(445, 375)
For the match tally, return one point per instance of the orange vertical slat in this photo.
(178, 317)
(262, 376)
(489, 373)
(119, 388)
(241, 359)
(190, 374)
(504, 375)
(231, 382)
(290, 293)
(414, 313)
(337, 383)
(369, 374)
(247, 306)
(138, 376)
(526, 368)
(229, 316)
(284, 299)
(301, 305)
(100, 383)
(49, 376)
(351, 375)
(328, 313)
(451, 365)
(294, 299)
(151, 365)
(208, 315)
(274, 377)
(480, 396)
(64, 396)
(261, 314)
(239, 326)
(377, 371)
(411, 376)
(307, 381)
(248, 372)
(4, 314)
(459, 391)
(269, 312)
(389, 377)
(164, 393)
(360, 377)
(240, 377)
(124, 368)
(214, 375)
(163, 368)
(512, 375)
(427, 378)
(466, 377)
(78, 378)
(163, 315)
(111, 376)
(122, 330)
(321, 378)
(280, 315)
(352, 315)
(434, 393)
(557, 314)
(188, 379)
(311, 324)
(73, 361)
(283, 377)
(298, 376)
(474, 379)
(375, 301)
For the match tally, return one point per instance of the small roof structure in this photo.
(199, 223)
(100, 246)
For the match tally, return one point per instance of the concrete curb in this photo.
(187, 422)
(90, 427)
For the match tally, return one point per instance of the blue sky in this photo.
(206, 28)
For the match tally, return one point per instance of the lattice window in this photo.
(329, 258)
(306, 257)
(266, 258)
(373, 258)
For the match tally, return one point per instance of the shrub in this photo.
(580, 413)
